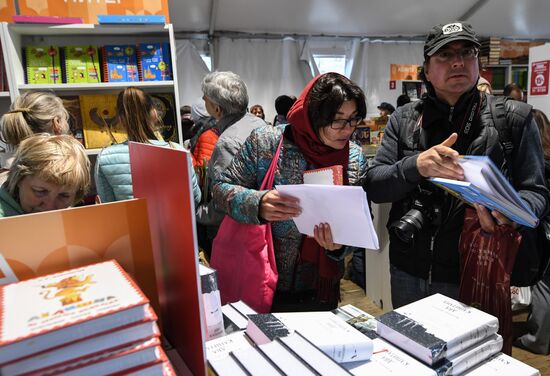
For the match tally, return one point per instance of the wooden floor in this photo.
(353, 294)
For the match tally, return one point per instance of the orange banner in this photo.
(404, 71)
(89, 10)
(7, 10)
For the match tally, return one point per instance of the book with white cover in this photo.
(255, 362)
(221, 347)
(336, 338)
(435, 327)
(41, 313)
(212, 304)
(85, 350)
(288, 362)
(233, 320)
(502, 365)
(226, 366)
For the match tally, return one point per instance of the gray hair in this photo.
(227, 90)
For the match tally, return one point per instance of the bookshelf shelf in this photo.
(98, 86)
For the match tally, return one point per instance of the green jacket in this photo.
(8, 206)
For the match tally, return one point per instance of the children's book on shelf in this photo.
(154, 61)
(99, 121)
(72, 105)
(332, 175)
(166, 109)
(81, 64)
(43, 65)
(435, 327)
(340, 341)
(120, 63)
(53, 310)
(485, 184)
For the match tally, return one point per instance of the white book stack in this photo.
(444, 334)
(90, 320)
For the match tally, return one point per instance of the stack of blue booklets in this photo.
(485, 184)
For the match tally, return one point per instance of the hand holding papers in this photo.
(344, 208)
(484, 184)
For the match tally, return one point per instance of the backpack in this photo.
(533, 259)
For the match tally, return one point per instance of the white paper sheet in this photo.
(344, 208)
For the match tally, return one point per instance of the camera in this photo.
(425, 209)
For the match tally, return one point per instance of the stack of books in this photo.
(489, 52)
(92, 320)
(439, 335)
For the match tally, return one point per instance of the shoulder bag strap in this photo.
(267, 183)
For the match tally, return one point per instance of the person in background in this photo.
(225, 97)
(484, 86)
(48, 173)
(202, 144)
(386, 109)
(257, 110)
(513, 91)
(188, 126)
(32, 112)
(137, 114)
(402, 100)
(283, 103)
(537, 338)
(424, 139)
(320, 124)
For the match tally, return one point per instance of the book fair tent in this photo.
(273, 44)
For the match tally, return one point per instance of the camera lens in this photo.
(408, 225)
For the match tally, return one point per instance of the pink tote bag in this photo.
(244, 258)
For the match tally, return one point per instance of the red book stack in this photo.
(92, 320)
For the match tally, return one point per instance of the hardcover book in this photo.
(154, 61)
(42, 65)
(82, 64)
(233, 319)
(289, 362)
(340, 341)
(503, 365)
(255, 363)
(166, 109)
(72, 105)
(221, 347)
(120, 63)
(332, 175)
(435, 327)
(485, 184)
(99, 121)
(49, 311)
(227, 366)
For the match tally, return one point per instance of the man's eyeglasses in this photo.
(341, 123)
(447, 55)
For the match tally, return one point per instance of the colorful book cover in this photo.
(72, 105)
(120, 63)
(49, 311)
(43, 65)
(166, 109)
(99, 121)
(154, 61)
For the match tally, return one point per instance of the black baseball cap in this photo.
(441, 35)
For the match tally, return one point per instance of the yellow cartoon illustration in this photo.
(69, 289)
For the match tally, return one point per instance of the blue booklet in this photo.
(485, 184)
(131, 19)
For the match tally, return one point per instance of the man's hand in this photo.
(440, 161)
(323, 236)
(276, 207)
(489, 221)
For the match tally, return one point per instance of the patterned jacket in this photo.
(236, 194)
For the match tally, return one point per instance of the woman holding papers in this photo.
(138, 116)
(48, 173)
(321, 123)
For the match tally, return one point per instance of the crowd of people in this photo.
(232, 147)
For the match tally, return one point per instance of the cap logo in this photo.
(452, 28)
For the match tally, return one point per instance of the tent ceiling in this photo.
(525, 19)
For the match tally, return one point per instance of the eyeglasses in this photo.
(447, 55)
(339, 124)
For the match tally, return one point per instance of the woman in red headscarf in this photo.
(321, 123)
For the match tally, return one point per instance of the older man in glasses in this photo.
(424, 139)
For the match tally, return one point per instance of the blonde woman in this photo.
(47, 173)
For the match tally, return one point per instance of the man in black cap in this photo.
(424, 139)
(386, 109)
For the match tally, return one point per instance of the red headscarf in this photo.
(315, 151)
(318, 155)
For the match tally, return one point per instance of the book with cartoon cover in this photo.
(99, 121)
(42, 64)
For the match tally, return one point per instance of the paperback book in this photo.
(53, 310)
(436, 327)
(485, 184)
(154, 61)
(120, 63)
